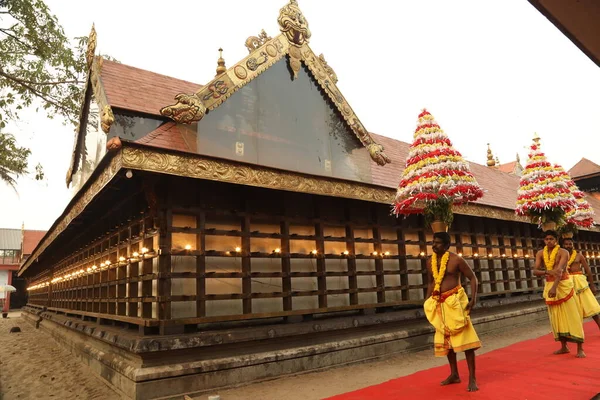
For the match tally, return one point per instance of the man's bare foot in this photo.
(580, 354)
(472, 386)
(563, 350)
(450, 380)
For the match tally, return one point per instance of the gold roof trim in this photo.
(293, 41)
(77, 205)
(107, 117)
(171, 162)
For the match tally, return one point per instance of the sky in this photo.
(489, 72)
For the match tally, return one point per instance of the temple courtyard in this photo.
(34, 366)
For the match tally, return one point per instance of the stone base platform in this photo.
(168, 366)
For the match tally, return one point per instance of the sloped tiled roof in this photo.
(31, 240)
(171, 135)
(508, 167)
(10, 239)
(138, 90)
(147, 92)
(500, 188)
(584, 167)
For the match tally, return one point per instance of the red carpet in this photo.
(526, 371)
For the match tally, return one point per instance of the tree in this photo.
(37, 62)
(13, 160)
(436, 175)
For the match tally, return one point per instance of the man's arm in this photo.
(540, 268)
(588, 272)
(466, 270)
(430, 281)
(559, 266)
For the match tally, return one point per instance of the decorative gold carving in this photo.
(293, 24)
(323, 77)
(295, 60)
(240, 72)
(195, 166)
(217, 91)
(327, 68)
(482, 210)
(221, 68)
(271, 50)
(107, 118)
(254, 42)
(98, 94)
(377, 154)
(254, 62)
(101, 177)
(114, 144)
(189, 108)
(91, 47)
(490, 157)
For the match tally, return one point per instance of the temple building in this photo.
(240, 229)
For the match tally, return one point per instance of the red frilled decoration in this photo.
(434, 170)
(542, 190)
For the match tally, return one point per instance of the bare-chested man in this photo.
(567, 325)
(585, 289)
(448, 308)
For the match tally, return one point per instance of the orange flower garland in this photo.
(549, 260)
(438, 275)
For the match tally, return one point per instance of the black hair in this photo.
(550, 233)
(562, 241)
(444, 237)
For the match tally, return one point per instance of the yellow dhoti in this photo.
(563, 310)
(453, 327)
(587, 301)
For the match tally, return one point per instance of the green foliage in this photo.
(550, 215)
(439, 210)
(13, 159)
(37, 62)
(567, 228)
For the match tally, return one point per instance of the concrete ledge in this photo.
(169, 373)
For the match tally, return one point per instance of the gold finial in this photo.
(221, 68)
(91, 47)
(293, 24)
(497, 161)
(490, 157)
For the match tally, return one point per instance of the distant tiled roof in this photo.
(31, 240)
(584, 167)
(10, 239)
(508, 167)
(139, 90)
(500, 188)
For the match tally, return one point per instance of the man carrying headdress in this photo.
(448, 308)
(559, 292)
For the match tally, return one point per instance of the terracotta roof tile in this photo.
(170, 135)
(31, 240)
(139, 90)
(147, 92)
(584, 167)
(508, 167)
(500, 187)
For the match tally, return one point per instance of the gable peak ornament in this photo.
(293, 24)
